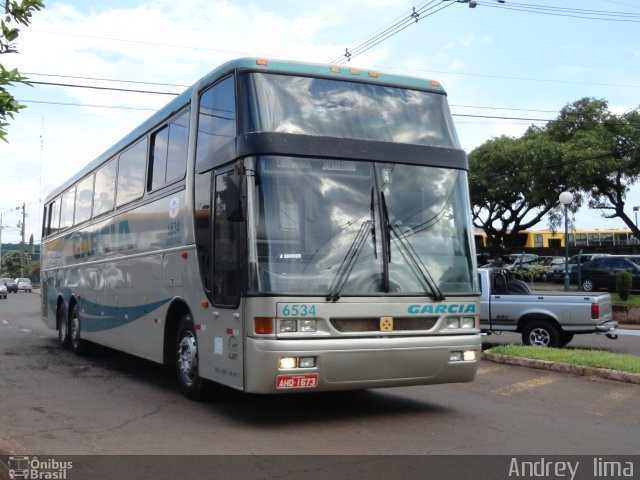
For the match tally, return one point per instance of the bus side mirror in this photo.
(235, 197)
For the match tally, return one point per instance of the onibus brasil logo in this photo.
(38, 469)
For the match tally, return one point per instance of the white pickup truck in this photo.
(547, 318)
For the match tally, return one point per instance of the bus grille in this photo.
(372, 324)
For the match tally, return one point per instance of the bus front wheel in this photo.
(189, 381)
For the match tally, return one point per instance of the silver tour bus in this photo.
(277, 227)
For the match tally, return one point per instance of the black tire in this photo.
(78, 345)
(588, 285)
(186, 350)
(565, 338)
(63, 328)
(518, 287)
(541, 333)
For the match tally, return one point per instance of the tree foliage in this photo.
(11, 264)
(606, 150)
(586, 150)
(15, 13)
(511, 187)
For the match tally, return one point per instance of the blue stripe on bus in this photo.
(98, 318)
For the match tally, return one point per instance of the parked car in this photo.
(601, 273)
(3, 290)
(556, 272)
(11, 284)
(24, 284)
(547, 319)
(537, 268)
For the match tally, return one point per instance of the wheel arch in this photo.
(176, 311)
(537, 317)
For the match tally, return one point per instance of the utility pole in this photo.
(22, 242)
(0, 244)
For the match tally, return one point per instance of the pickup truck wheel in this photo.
(541, 334)
(588, 285)
(565, 338)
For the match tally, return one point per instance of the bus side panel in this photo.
(124, 272)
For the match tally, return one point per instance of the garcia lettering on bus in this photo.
(450, 308)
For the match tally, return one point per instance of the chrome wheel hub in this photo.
(188, 357)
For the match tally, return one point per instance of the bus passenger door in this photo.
(227, 280)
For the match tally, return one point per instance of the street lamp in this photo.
(566, 198)
(635, 210)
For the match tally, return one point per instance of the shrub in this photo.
(623, 284)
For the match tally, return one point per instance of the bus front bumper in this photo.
(361, 363)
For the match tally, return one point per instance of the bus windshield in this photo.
(342, 109)
(306, 214)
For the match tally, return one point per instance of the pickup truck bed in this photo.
(546, 318)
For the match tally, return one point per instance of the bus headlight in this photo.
(307, 362)
(308, 325)
(288, 326)
(468, 322)
(287, 363)
(466, 356)
(453, 322)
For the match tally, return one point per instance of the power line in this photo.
(415, 15)
(95, 87)
(105, 79)
(567, 12)
(140, 42)
(409, 19)
(72, 104)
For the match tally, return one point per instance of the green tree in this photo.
(605, 150)
(15, 13)
(11, 264)
(511, 186)
(34, 272)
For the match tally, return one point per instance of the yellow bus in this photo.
(578, 238)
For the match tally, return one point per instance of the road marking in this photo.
(524, 386)
(604, 406)
(485, 370)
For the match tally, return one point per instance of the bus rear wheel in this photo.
(63, 329)
(78, 345)
(189, 381)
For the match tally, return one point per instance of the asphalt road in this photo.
(54, 403)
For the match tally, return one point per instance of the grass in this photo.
(584, 358)
(632, 301)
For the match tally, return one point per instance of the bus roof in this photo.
(251, 64)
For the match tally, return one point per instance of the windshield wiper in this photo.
(409, 254)
(350, 260)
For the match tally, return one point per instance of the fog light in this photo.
(455, 357)
(468, 322)
(307, 362)
(288, 326)
(453, 322)
(470, 355)
(307, 325)
(287, 363)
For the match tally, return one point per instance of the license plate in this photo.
(297, 381)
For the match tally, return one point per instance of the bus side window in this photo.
(226, 244)
(216, 119)
(169, 153)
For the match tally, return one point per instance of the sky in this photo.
(503, 65)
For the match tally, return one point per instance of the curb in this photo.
(564, 368)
